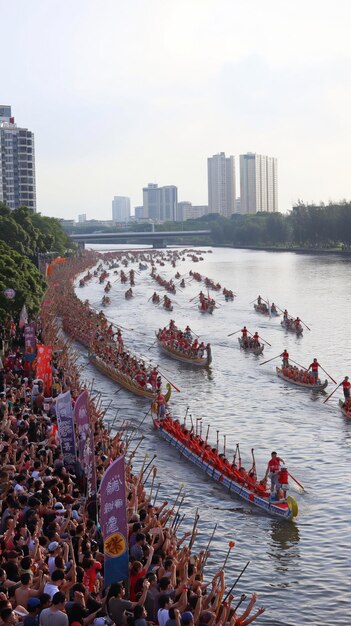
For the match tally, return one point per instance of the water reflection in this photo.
(284, 548)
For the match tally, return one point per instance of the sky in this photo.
(120, 93)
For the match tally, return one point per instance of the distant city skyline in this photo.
(113, 112)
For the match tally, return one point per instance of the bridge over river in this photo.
(157, 239)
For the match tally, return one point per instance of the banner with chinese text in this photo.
(113, 519)
(85, 441)
(65, 426)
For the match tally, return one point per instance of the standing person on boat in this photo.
(244, 332)
(314, 369)
(255, 339)
(273, 469)
(346, 387)
(273, 308)
(285, 357)
(161, 405)
(286, 315)
(297, 323)
(259, 300)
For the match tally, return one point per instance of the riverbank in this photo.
(316, 251)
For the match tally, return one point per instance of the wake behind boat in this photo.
(236, 480)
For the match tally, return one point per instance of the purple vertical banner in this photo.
(86, 446)
(65, 426)
(113, 519)
(30, 341)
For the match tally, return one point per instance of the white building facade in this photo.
(160, 203)
(121, 209)
(17, 163)
(258, 183)
(221, 184)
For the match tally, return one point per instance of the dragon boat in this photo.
(318, 387)
(262, 309)
(255, 495)
(343, 410)
(125, 381)
(255, 350)
(172, 352)
(292, 329)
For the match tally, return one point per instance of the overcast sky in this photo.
(120, 93)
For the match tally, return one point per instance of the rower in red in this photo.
(255, 339)
(285, 357)
(314, 369)
(273, 470)
(244, 332)
(346, 387)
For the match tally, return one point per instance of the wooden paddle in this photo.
(297, 482)
(332, 393)
(275, 357)
(331, 378)
(237, 331)
(268, 344)
(237, 580)
(302, 366)
(231, 545)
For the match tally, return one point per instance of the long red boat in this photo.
(254, 494)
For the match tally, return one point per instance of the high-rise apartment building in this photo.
(188, 211)
(258, 183)
(221, 184)
(121, 209)
(17, 163)
(160, 203)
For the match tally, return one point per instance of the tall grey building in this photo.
(160, 203)
(221, 184)
(17, 163)
(258, 183)
(121, 209)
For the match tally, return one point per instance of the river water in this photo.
(301, 569)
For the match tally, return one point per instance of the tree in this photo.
(18, 273)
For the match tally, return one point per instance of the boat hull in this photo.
(298, 333)
(319, 387)
(120, 378)
(345, 413)
(260, 311)
(281, 511)
(255, 351)
(173, 354)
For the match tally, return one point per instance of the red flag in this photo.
(44, 368)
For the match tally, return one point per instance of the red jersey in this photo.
(314, 367)
(346, 384)
(274, 465)
(244, 332)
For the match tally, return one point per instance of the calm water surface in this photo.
(301, 569)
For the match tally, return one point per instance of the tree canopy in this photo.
(23, 235)
(306, 226)
(18, 272)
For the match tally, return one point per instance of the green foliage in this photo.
(19, 273)
(32, 233)
(308, 226)
(25, 234)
